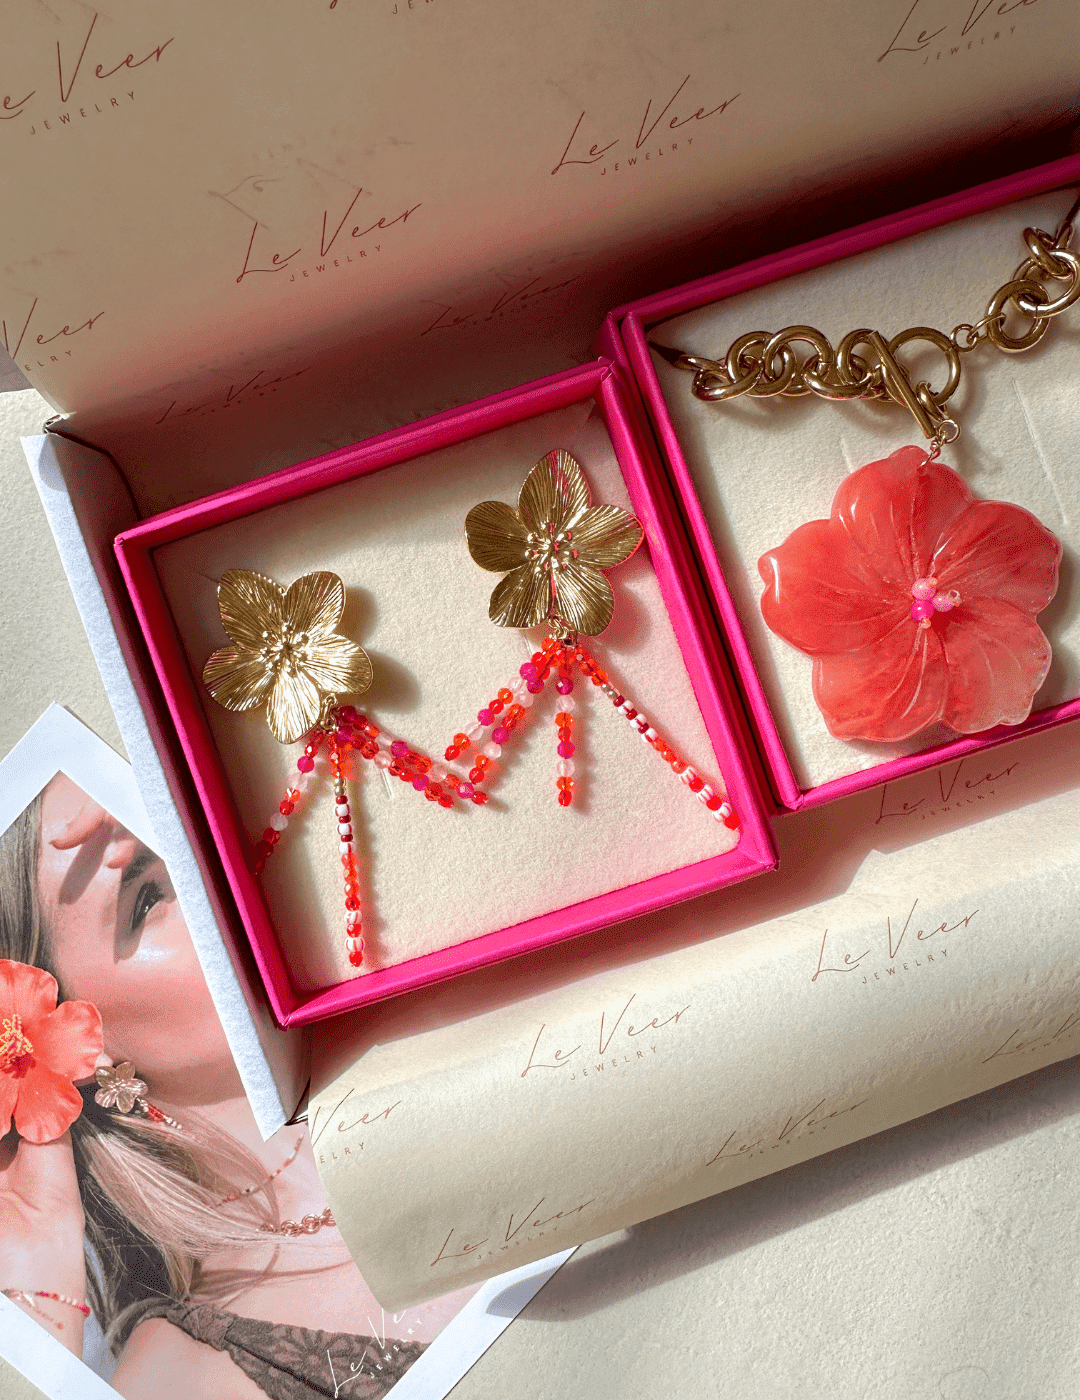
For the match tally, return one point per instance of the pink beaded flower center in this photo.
(929, 599)
(16, 1051)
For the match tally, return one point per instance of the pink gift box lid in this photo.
(624, 339)
(684, 599)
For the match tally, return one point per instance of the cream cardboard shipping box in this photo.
(235, 237)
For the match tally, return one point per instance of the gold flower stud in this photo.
(552, 549)
(119, 1087)
(286, 651)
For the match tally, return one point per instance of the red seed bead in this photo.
(566, 784)
(352, 902)
(564, 719)
(515, 712)
(431, 796)
(371, 730)
(509, 724)
(462, 741)
(678, 765)
(539, 657)
(357, 958)
(564, 731)
(419, 762)
(476, 775)
(452, 752)
(713, 802)
(285, 808)
(506, 695)
(446, 800)
(696, 784)
(618, 700)
(732, 822)
(483, 762)
(271, 836)
(496, 707)
(565, 798)
(479, 798)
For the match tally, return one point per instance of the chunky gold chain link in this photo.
(864, 365)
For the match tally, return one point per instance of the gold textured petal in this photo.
(237, 678)
(522, 599)
(554, 492)
(314, 604)
(337, 666)
(606, 536)
(496, 536)
(293, 706)
(583, 598)
(251, 607)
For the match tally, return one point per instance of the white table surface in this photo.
(938, 1261)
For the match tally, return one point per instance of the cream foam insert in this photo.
(763, 468)
(418, 604)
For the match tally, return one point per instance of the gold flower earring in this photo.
(287, 654)
(553, 549)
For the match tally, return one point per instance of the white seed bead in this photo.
(565, 767)
(650, 734)
(344, 829)
(303, 782)
(382, 759)
(491, 750)
(345, 847)
(353, 945)
(352, 918)
(473, 731)
(526, 699)
(567, 702)
(686, 775)
(279, 821)
(436, 773)
(342, 809)
(625, 708)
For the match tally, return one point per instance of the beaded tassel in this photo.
(562, 654)
(347, 731)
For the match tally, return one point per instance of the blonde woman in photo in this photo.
(174, 1238)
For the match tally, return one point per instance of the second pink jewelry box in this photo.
(624, 338)
(676, 574)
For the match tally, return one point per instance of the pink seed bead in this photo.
(421, 781)
(305, 764)
(945, 602)
(399, 748)
(529, 671)
(535, 686)
(485, 717)
(921, 609)
(564, 685)
(465, 790)
(347, 713)
(924, 588)
(500, 734)
(344, 736)
(566, 749)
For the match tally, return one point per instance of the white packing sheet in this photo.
(763, 468)
(917, 946)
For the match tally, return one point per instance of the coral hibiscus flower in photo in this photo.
(916, 601)
(45, 1050)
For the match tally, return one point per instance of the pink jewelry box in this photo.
(672, 562)
(624, 339)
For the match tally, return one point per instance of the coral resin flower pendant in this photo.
(553, 550)
(916, 601)
(288, 655)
